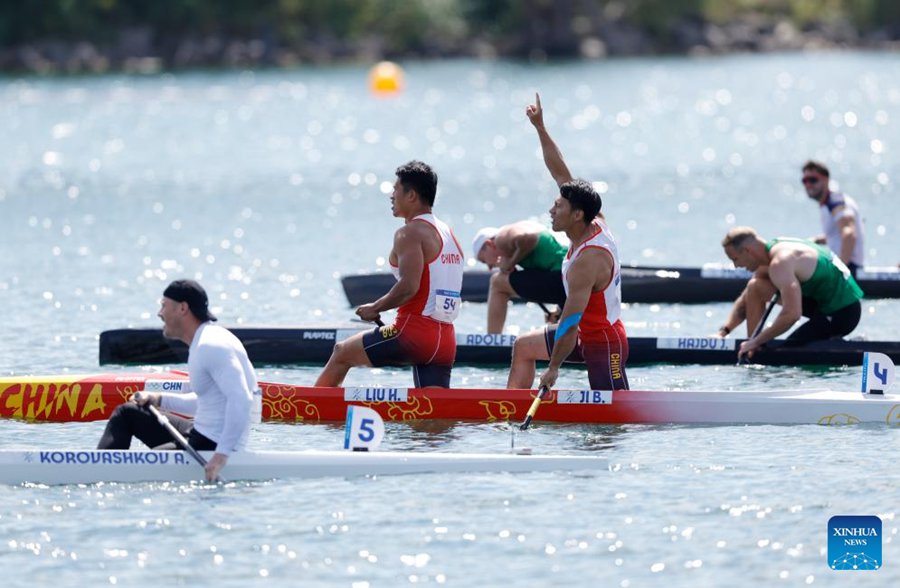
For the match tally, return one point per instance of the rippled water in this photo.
(268, 186)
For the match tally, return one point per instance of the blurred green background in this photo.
(76, 35)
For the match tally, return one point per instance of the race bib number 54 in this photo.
(446, 305)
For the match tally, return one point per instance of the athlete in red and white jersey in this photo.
(427, 261)
(441, 281)
(590, 330)
(604, 306)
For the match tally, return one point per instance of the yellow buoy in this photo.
(386, 78)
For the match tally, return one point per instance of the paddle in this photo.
(176, 434)
(542, 391)
(765, 317)
(549, 315)
(378, 321)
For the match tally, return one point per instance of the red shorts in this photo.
(605, 360)
(424, 343)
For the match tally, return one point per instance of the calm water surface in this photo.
(269, 186)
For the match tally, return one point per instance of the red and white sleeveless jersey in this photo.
(604, 307)
(438, 296)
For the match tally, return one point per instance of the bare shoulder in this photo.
(415, 230)
(786, 255)
(506, 232)
(529, 227)
(517, 229)
(404, 237)
(781, 253)
(594, 259)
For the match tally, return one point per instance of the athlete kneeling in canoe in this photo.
(427, 261)
(529, 245)
(590, 330)
(222, 378)
(810, 279)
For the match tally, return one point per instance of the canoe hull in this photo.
(94, 397)
(313, 345)
(640, 284)
(93, 466)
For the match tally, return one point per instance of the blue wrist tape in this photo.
(570, 321)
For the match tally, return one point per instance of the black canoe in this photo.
(711, 283)
(313, 345)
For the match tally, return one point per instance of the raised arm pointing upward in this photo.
(590, 330)
(553, 158)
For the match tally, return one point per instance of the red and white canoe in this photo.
(94, 397)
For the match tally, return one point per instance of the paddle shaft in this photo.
(378, 322)
(547, 312)
(179, 438)
(542, 391)
(762, 321)
(765, 316)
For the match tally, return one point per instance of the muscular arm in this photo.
(782, 272)
(553, 158)
(408, 247)
(847, 228)
(738, 312)
(737, 315)
(522, 245)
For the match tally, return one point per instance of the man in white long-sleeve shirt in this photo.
(223, 383)
(842, 227)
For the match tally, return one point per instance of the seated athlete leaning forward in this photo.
(427, 261)
(222, 379)
(533, 248)
(590, 330)
(811, 281)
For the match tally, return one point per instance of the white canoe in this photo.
(57, 466)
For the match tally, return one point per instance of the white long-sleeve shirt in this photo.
(830, 218)
(223, 381)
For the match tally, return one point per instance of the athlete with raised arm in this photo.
(590, 329)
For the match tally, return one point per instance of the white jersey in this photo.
(438, 296)
(604, 308)
(223, 383)
(830, 224)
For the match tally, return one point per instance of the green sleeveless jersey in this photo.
(831, 284)
(548, 254)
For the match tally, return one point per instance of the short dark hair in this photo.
(419, 176)
(582, 196)
(816, 166)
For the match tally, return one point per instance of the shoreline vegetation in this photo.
(149, 36)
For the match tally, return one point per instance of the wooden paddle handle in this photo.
(542, 391)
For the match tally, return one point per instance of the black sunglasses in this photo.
(810, 180)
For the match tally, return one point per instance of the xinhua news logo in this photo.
(854, 542)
